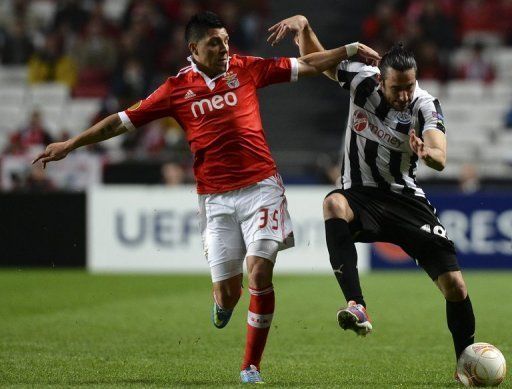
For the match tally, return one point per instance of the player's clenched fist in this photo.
(368, 53)
(53, 152)
(417, 145)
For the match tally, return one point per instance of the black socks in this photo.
(343, 256)
(461, 322)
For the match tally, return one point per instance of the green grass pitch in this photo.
(70, 328)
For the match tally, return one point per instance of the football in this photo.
(481, 364)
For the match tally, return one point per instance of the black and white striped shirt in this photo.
(377, 151)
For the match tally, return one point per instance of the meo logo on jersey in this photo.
(216, 102)
(360, 121)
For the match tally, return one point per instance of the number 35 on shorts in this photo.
(269, 217)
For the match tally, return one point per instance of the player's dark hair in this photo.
(200, 23)
(398, 58)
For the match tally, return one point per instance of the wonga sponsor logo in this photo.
(216, 102)
(360, 122)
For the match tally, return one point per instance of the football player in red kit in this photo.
(242, 205)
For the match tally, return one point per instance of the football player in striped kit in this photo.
(393, 124)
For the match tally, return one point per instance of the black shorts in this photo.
(409, 222)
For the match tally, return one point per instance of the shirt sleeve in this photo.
(156, 106)
(430, 116)
(350, 74)
(272, 70)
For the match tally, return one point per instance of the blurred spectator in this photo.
(37, 180)
(171, 8)
(478, 16)
(109, 105)
(172, 54)
(161, 139)
(130, 81)
(229, 13)
(469, 179)
(64, 135)
(152, 142)
(72, 14)
(413, 36)
(15, 11)
(17, 47)
(188, 8)
(35, 134)
(430, 65)
(477, 67)
(137, 59)
(503, 21)
(51, 64)
(14, 146)
(381, 29)
(3, 40)
(173, 174)
(436, 25)
(95, 50)
(149, 12)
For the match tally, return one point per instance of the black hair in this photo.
(398, 58)
(200, 23)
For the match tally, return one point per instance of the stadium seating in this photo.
(13, 75)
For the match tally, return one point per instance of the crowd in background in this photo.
(125, 54)
(129, 53)
(121, 50)
(434, 28)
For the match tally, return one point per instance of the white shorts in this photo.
(232, 220)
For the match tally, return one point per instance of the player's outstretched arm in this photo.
(432, 149)
(105, 129)
(317, 63)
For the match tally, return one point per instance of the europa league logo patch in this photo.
(135, 106)
(231, 80)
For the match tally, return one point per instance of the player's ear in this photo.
(192, 46)
(380, 79)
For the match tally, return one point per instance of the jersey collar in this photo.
(210, 82)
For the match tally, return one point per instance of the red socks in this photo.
(259, 319)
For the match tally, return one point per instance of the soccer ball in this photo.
(481, 364)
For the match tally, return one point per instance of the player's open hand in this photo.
(368, 54)
(417, 145)
(53, 152)
(295, 25)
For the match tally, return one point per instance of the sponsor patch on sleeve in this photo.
(440, 120)
(438, 116)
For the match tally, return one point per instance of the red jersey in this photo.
(221, 119)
